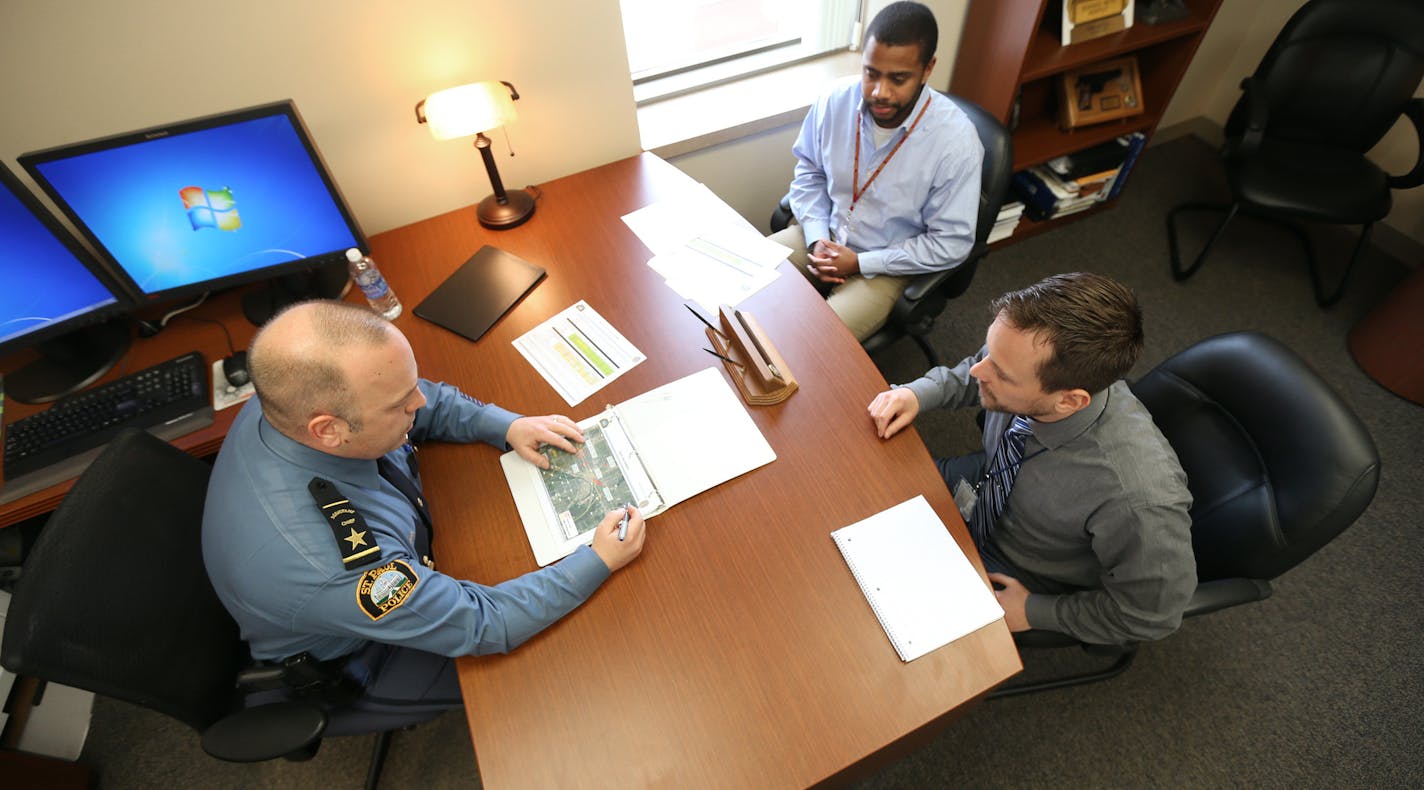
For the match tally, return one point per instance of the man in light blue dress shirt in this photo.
(887, 175)
(313, 546)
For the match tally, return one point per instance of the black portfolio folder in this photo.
(480, 292)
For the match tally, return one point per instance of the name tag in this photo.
(965, 498)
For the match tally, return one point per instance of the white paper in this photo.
(674, 221)
(922, 588)
(578, 352)
(711, 276)
(705, 250)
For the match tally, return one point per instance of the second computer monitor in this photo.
(54, 298)
(203, 204)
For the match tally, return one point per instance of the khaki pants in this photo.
(863, 303)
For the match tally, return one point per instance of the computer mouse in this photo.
(235, 369)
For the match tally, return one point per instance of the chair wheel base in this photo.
(1322, 297)
(1117, 667)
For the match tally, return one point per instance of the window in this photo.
(680, 45)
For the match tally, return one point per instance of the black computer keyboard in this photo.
(169, 400)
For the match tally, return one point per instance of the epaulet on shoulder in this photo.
(357, 544)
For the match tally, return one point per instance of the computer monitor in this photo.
(208, 203)
(55, 298)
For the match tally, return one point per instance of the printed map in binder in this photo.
(921, 587)
(637, 453)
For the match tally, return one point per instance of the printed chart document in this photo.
(704, 249)
(636, 453)
(667, 224)
(720, 268)
(922, 588)
(578, 352)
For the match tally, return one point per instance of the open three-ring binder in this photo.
(652, 451)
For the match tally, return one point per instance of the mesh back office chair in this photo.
(927, 295)
(1336, 79)
(1277, 464)
(114, 599)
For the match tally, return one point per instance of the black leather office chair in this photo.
(1336, 79)
(1277, 464)
(927, 295)
(113, 599)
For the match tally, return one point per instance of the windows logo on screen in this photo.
(210, 208)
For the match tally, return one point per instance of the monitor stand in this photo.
(70, 362)
(328, 281)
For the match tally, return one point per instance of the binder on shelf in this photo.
(751, 359)
(1135, 143)
(1037, 197)
(1106, 156)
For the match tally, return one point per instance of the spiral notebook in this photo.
(922, 588)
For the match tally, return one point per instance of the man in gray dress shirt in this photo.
(1095, 540)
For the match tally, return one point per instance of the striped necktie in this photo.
(999, 481)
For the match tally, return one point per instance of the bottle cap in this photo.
(354, 255)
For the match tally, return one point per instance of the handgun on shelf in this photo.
(1090, 84)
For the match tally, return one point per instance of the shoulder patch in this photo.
(382, 590)
(348, 527)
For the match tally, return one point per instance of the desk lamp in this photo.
(475, 109)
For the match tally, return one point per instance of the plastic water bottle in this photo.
(378, 293)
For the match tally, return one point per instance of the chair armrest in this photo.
(1035, 639)
(1257, 110)
(1213, 596)
(925, 297)
(265, 732)
(781, 216)
(1414, 110)
(921, 285)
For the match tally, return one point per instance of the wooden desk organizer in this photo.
(755, 365)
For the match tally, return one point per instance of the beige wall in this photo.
(1238, 38)
(76, 70)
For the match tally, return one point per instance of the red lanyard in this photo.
(855, 189)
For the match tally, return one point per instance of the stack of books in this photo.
(1009, 216)
(1078, 181)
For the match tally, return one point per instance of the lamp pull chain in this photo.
(507, 144)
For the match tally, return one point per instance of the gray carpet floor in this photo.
(1319, 686)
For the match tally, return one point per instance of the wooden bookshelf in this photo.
(1011, 52)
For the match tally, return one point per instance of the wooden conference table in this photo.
(737, 650)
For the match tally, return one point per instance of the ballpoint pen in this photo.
(623, 525)
(727, 358)
(704, 320)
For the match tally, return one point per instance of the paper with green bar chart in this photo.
(578, 352)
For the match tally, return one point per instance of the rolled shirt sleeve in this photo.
(450, 415)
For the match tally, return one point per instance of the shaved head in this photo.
(300, 361)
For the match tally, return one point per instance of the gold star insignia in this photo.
(356, 538)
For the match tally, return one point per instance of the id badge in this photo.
(841, 235)
(965, 498)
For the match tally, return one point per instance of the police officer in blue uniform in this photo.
(316, 535)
